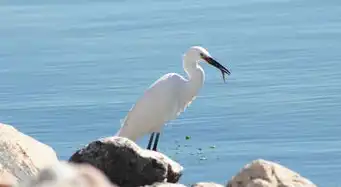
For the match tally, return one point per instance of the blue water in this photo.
(71, 71)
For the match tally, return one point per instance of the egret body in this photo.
(167, 97)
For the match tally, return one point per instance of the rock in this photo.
(165, 184)
(21, 156)
(262, 173)
(126, 164)
(6, 178)
(68, 175)
(207, 184)
(5, 185)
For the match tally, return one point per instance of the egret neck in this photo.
(195, 73)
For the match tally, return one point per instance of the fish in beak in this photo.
(216, 64)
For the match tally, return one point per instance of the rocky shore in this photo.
(116, 161)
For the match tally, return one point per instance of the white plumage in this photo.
(167, 97)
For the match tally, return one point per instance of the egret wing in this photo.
(160, 103)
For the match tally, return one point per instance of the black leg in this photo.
(156, 141)
(150, 141)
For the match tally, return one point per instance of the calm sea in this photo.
(70, 71)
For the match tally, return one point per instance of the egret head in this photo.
(197, 54)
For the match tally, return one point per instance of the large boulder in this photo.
(68, 175)
(126, 164)
(21, 156)
(6, 178)
(262, 173)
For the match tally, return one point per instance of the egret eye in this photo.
(202, 55)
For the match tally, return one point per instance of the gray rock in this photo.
(206, 184)
(68, 175)
(126, 164)
(165, 184)
(262, 173)
(21, 156)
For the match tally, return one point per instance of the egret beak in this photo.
(216, 64)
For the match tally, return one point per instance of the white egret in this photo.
(166, 98)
